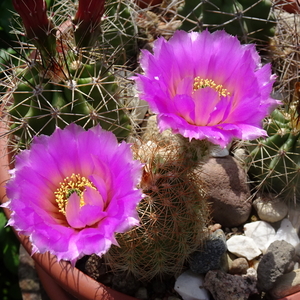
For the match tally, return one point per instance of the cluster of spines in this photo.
(173, 216)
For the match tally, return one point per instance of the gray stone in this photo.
(287, 232)
(226, 261)
(228, 190)
(209, 257)
(218, 151)
(294, 216)
(262, 233)
(225, 286)
(125, 283)
(142, 293)
(274, 264)
(190, 286)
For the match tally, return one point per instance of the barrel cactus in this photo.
(173, 215)
(250, 20)
(65, 71)
(274, 163)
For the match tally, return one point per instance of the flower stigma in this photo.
(200, 83)
(74, 184)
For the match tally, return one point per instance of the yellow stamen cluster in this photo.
(73, 184)
(200, 83)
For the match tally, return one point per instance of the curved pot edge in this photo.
(65, 277)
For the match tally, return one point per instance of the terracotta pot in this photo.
(290, 6)
(295, 296)
(59, 279)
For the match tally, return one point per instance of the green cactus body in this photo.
(40, 104)
(274, 163)
(72, 85)
(173, 216)
(125, 39)
(260, 20)
(250, 20)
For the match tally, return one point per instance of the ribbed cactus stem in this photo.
(249, 20)
(274, 163)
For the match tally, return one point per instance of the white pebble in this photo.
(287, 233)
(189, 286)
(261, 232)
(294, 216)
(270, 209)
(243, 246)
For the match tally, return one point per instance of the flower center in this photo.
(200, 83)
(74, 184)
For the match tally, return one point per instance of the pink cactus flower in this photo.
(207, 86)
(73, 190)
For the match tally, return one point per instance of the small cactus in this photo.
(173, 215)
(250, 20)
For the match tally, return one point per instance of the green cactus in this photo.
(125, 41)
(274, 163)
(67, 76)
(250, 20)
(173, 215)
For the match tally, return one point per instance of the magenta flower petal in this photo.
(73, 190)
(185, 107)
(93, 197)
(207, 86)
(73, 210)
(101, 187)
(87, 215)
